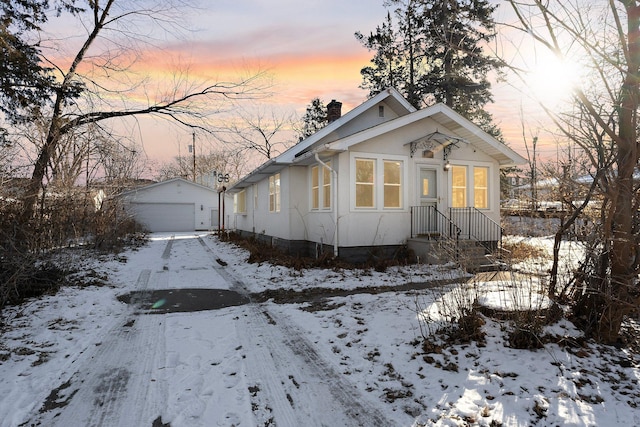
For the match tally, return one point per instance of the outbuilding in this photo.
(173, 205)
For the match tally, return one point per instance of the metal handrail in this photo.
(478, 226)
(428, 220)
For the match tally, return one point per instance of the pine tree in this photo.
(434, 54)
(387, 69)
(314, 119)
(25, 83)
(455, 32)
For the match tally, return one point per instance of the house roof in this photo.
(325, 135)
(162, 183)
(391, 96)
(452, 121)
(327, 140)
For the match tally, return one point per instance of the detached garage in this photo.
(174, 205)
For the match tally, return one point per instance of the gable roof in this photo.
(319, 141)
(453, 121)
(390, 96)
(162, 183)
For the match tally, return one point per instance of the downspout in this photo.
(335, 203)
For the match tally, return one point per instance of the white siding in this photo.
(165, 203)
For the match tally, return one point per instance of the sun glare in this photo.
(551, 80)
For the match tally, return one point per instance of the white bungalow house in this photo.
(375, 180)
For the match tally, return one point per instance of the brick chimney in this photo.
(334, 111)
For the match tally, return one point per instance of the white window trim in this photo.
(321, 184)
(325, 172)
(488, 178)
(491, 190)
(277, 193)
(378, 182)
(236, 199)
(255, 197)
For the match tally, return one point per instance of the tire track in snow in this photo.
(112, 382)
(298, 385)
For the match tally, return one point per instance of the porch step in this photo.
(470, 254)
(487, 266)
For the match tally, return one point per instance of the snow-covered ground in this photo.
(84, 358)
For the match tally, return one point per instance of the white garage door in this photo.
(165, 216)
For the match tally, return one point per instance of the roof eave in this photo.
(266, 169)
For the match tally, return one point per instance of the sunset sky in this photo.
(310, 50)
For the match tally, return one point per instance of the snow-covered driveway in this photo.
(237, 366)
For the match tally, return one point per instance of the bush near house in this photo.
(31, 263)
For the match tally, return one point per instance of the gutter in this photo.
(335, 204)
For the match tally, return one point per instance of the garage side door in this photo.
(165, 216)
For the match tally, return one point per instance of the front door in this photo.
(428, 193)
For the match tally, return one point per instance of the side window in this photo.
(239, 202)
(315, 188)
(365, 184)
(392, 184)
(326, 187)
(274, 193)
(321, 186)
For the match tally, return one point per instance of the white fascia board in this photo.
(290, 155)
(515, 158)
(267, 168)
(345, 143)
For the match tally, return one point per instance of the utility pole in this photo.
(194, 156)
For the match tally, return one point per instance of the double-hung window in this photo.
(459, 186)
(470, 187)
(392, 184)
(379, 183)
(315, 188)
(326, 187)
(240, 202)
(481, 187)
(365, 183)
(321, 187)
(274, 193)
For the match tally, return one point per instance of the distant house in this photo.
(549, 195)
(380, 177)
(173, 205)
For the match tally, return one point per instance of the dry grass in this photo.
(523, 251)
(262, 252)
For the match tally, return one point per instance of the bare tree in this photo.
(118, 161)
(606, 36)
(259, 130)
(7, 154)
(221, 161)
(97, 83)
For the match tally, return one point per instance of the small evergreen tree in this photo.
(314, 119)
(24, 82)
